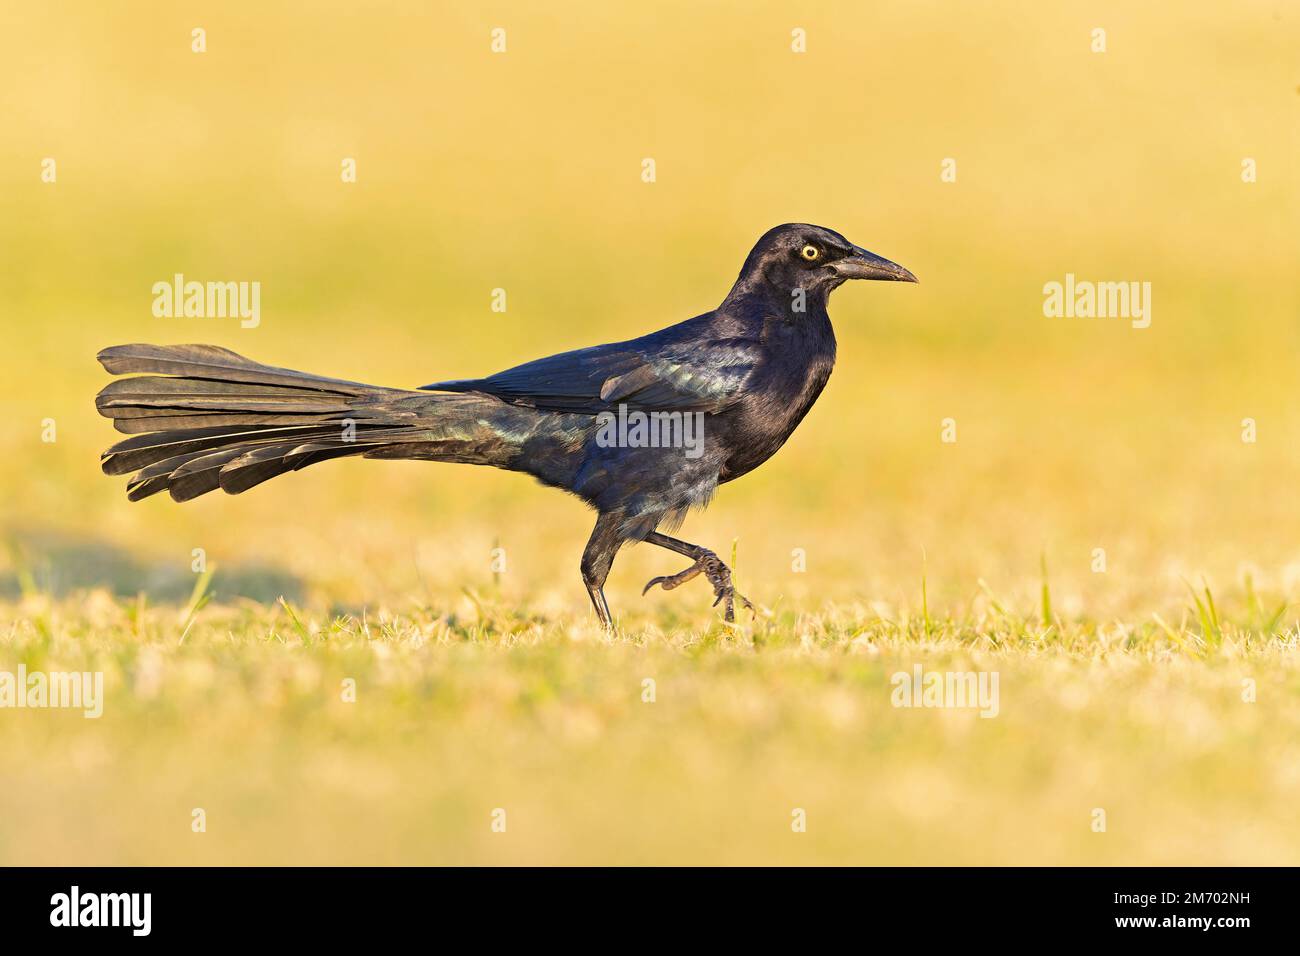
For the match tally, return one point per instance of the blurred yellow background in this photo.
(522, 170)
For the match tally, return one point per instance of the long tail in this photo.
(203, 418)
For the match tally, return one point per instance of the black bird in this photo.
(727, 388)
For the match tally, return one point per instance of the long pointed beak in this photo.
(867, 265)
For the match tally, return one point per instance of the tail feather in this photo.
(189, 387)
(261, 464)
(204, 418)
(193, 475)
(139, 451)
(222, 365)
(138, 406)
(141, 424)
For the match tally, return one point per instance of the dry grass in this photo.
(241, 712)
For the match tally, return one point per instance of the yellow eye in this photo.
(809, 252)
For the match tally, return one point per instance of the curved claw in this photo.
(745, 603)
(731, 595)
(670, 581)
(719, 576)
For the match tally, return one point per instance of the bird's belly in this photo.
(639, 479)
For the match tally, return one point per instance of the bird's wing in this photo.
(704, 376)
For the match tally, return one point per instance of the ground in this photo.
(395, 736)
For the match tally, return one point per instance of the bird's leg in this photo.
(706, 563)
(597, 559)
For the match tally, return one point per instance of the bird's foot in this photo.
(719, 575)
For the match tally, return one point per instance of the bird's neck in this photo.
(795, 305)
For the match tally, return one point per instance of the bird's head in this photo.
(798, 256)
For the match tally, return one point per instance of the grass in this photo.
(238, 709)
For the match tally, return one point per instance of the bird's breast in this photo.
(760, 424)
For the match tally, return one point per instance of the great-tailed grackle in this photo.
(203, 417)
